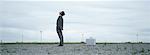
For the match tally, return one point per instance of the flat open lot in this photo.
(75, 49)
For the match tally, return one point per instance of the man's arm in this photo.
(62, 24)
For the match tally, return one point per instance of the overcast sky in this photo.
(106, 21)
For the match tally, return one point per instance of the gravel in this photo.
(74, 49)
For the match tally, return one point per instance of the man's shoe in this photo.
(60, 45)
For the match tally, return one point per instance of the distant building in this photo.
(90, 41)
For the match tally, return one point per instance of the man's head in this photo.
(62, 13)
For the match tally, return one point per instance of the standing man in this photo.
(59, 27)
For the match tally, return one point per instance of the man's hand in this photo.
(61, 27)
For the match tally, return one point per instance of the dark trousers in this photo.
(59, 32)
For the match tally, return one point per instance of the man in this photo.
(59, 27)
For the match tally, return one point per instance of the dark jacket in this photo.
(60, 23)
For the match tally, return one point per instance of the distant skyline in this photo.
(106, 21)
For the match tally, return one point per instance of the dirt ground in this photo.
(74, 49)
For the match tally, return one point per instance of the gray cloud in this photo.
(145, 30)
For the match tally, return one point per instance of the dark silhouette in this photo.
(59, 27)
